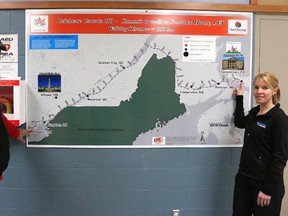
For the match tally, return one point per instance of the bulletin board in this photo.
(135, 78)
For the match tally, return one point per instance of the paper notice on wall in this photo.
(9, 57)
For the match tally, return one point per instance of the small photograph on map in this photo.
(6, 99)
(49, 82)
(233, 62)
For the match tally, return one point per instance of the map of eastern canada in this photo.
(154, 101)
(137, 79)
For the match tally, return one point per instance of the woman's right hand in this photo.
(239, 90)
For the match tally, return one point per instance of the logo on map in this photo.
(39, 23)
(158, 140)
(237, 27)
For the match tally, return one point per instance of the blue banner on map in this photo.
(54, 42)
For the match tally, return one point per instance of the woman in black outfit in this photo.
(259, 185)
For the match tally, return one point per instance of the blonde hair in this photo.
(272, 81)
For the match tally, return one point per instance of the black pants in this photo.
(245, 198)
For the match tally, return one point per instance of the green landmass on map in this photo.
(153, 103)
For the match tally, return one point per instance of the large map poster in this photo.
(135, 78)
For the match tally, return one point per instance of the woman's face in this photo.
(263, 93)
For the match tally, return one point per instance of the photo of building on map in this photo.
(233, 59)
(233, 63)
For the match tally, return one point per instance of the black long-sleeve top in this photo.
(265, 147)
